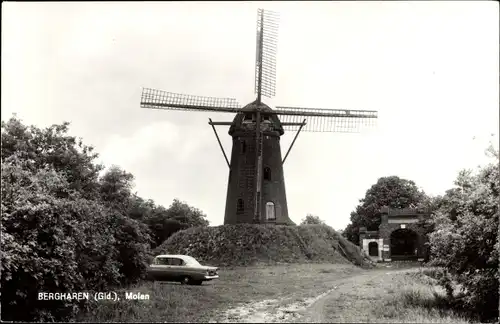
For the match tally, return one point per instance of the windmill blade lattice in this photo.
(158, 99)
(328, 124)
(267, 45)
(327, 120)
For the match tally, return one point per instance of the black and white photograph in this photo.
(250, 161)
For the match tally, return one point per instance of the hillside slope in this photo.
(252, 244)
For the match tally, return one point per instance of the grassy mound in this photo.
(252, 244)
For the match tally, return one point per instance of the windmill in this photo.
(256, 184)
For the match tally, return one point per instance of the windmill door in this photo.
(270, 211)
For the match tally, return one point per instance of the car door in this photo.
(177, 268)
(160, 269)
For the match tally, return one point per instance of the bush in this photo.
(65, 229)
(53, 240)
(39, 241)
(465, 241)
(132, 242)
(311, 220)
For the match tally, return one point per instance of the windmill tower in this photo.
(256, 185)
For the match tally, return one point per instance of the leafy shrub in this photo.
(465, 241)
(39, 240)
(65, 229)
(52, 244)
(311, 220)
(132, 242)
(55, 241)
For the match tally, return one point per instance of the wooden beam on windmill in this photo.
(265, 84)
(255, 165)
(218, 140)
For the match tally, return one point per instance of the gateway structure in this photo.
(401, 236)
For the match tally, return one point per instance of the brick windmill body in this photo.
(256, 186)
(244, 170)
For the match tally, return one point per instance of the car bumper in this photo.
(211, 277)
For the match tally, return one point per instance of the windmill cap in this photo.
(252, 107)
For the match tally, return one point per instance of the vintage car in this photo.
(181, 268)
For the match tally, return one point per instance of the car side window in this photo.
(176, 262)
(161, 261)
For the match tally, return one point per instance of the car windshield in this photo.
(191, 260)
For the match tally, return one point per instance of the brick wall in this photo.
(241, 183)
(386, 229)
(411, 220)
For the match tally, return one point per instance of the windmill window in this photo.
(267, 173)
(243, 146)
(239, 207)
(270, 215)
(248, 117)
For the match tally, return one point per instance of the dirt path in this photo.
(271, 310)
(348, 294)
(345, 295)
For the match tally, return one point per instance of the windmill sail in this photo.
(267, 44)
(327, 124)
(326, 120)
(158, 99)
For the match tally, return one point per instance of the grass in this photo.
(284, 293)
(253, 244)
(239, 286)
(397, 297)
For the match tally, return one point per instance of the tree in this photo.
(465, 240)
(390, 191)
(162, 228)
(52, 147)
(165, 222)
(185, 214)
(140, 209)
(115, 188)
(311, 219)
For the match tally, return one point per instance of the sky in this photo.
(430, 69)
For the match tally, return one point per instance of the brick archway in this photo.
(392, 220)
(403, 244)
(386, 233)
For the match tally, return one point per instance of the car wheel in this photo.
(185, 281)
